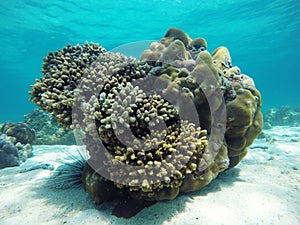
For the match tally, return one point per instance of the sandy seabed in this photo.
(263, 189)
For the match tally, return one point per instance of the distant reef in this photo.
(47, 130)
(282, 116)
(38, 128)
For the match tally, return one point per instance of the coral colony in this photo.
(166, 124)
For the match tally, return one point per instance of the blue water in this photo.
(262, 36)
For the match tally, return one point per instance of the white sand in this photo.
(263, 189)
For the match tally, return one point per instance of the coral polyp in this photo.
(166, 124)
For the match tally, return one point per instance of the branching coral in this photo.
(63, 69)
(166, 124)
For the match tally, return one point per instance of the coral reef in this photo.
(22, 133)
(15, 144)
(8, 153)
(166, 124)
(283, 116)
(47, 130)
(12, 153)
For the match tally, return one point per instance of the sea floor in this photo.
(263, 189)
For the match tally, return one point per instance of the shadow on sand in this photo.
(75, 200)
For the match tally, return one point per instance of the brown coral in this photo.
(203, 77)
(145, 142)
(21, 131)
(63, 69)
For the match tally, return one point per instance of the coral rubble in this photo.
(166, 124)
